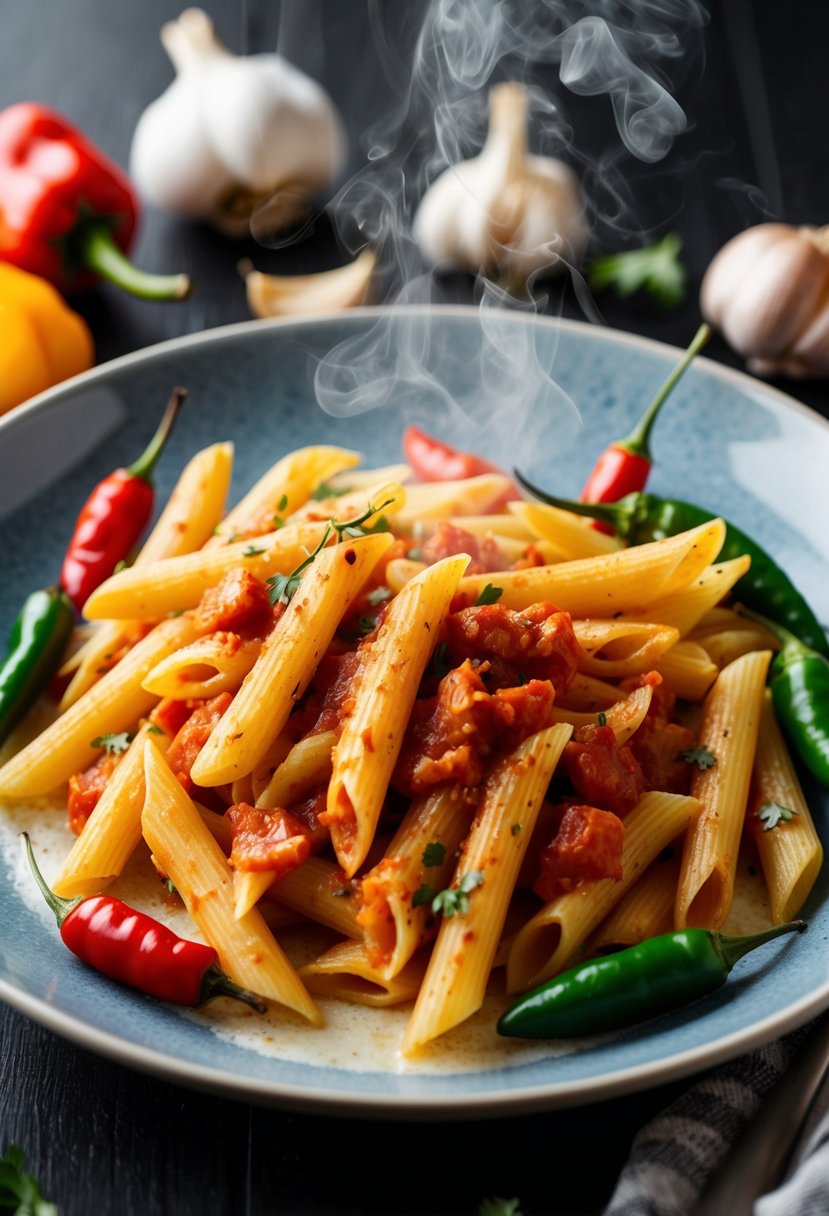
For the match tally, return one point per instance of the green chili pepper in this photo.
(766, 588)
(799, 682)
(36, 643)
(635, 984)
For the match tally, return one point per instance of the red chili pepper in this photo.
(432, 460)
(624, 467)
(114, 516)
(67, 212)
(134, 949)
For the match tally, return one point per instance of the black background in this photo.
(755, 88)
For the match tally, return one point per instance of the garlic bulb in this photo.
(271, 295)
(506, 210)
(767, 290)
(231, 135)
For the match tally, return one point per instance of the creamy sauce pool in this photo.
(355, 1037)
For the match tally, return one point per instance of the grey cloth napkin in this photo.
(673, 1157)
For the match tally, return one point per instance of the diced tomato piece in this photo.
(603, 773)
(193, 735)
(86, 788)
(538, 642)
(266, 840)
(448, 540)
(587, 846)
(659, 742)
(170, 715)
(238, 603)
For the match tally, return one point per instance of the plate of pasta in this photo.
(396, 741)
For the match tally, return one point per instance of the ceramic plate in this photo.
(542, 394)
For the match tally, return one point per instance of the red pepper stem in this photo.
(98, 250)
(145, 464)
(731, 949)
(637, 443)
(216, 983)
(60, 907)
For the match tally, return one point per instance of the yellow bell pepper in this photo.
(42, 341)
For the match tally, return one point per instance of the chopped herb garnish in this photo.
(154, 730)
(277, 522)
(455, 900)
(324, 491)
(700, 756)
(114, 744)
(379, 596)
(283, 502)
(655, 269)
(423, 895)
(601, 718)
(252, 551)
(433, 854)
(440, 661)
(171, 886)
(488, 595)
(19, 1191)
(515, 829)
(774, 813)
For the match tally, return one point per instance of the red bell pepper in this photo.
(114, 516)
(67, 212)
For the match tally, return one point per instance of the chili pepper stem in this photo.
(732, 949)
(98, 251)
(638, 441)
(620, 515)
(60, 907)
(145, 464)
(216, 983)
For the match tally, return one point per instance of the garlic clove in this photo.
(294, 295)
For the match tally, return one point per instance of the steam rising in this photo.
(632, 55)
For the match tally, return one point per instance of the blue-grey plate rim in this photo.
(488, 1102)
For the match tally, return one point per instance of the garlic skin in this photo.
(232, 135)
(271, 295)
(767, 291)
(505, 211)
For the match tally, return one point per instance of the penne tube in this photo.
(553, 939)
(617, 649)
(790, 852)
(361, 479)
(113, 830)
(729, 728)
(459, 967)
(187, 852)
(288, 659)
(114, 704)
(305, 767)
(624, 581)
(394, 927)
(177, 583)
(319, 890)
(345, 973)
(504, 525)
(685, 608)
(353, 503)
(215, 663)
(282, 490)
(623, 717)
(729, 644)
(383, 694)
(570, 535)
(589, 694)
(437, 499)
(191, 513)
(687, 670)
(401, 570)
(646, 911)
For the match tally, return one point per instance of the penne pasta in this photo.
(186, 851)
(618, 649)
(345, 973)
(212, 664)
(571, 536)
(646, 911)
(687, 670)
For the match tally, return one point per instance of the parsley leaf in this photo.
(113, 745)
(283, 502)
(488, 595)
(423, 895)
(433, 854)
(252, 551)
(655, 269)
(700, 756)
(500, 1207)
(19, 1192)
(455, 900)
(773, 814)
(152, 729)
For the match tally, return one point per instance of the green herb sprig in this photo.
(655, 269)
(113, 744)
(20, 1193)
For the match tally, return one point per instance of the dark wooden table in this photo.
(752, 82)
